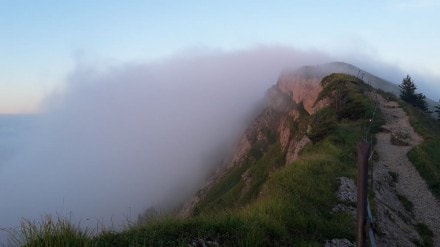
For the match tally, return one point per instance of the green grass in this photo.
(50, 231)
(228, 192)
(346, 95)
(426, 157)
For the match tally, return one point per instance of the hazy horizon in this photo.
(46, 40)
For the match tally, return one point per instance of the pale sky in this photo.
(42, 41)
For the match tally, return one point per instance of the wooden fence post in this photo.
(363, 150)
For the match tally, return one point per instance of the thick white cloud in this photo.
(117, 141)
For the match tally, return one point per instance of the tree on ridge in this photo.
(437, 110)
(408, 94)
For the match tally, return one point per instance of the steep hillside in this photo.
(279, 188)
(295, 116)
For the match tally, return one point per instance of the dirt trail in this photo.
(396, 179)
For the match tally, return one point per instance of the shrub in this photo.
(321, 124)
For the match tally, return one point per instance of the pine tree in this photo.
(437, 110)
(421, 102)
(408, 94)
(408, 90)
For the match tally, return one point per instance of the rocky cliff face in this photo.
(280, 124)
(295, 92)
(294, 95)
(302, 88)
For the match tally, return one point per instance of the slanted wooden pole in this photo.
(363, 150)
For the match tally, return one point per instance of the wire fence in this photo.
(365, 224)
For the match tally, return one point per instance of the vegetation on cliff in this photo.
(408, 94)
(426, 156)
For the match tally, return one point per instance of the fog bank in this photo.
(118, 140)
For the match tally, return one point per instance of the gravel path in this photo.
(396, 175)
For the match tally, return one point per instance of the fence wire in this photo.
(368, 138)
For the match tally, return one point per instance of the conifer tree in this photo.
(408, 94)
(408, 90)
(437, 110)
(421, 102)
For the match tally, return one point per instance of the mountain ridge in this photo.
(302, 88)
(299, 87)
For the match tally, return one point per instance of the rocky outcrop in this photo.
(204, 242)
(294, 94)
(347, 190)
(302, 89)
(284, 103)
(347, 197)
(339, 243)
(295, 148)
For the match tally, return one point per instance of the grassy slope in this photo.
(426, 157)
(291, 206)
